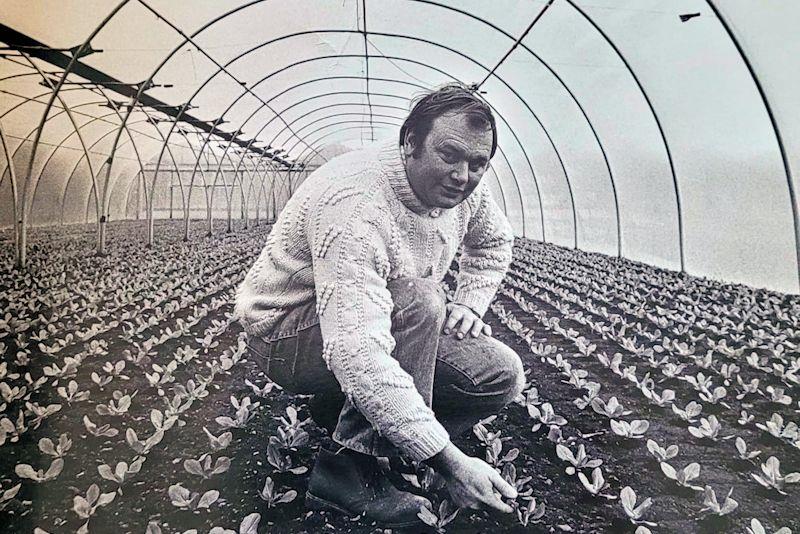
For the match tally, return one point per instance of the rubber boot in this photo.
(352, 483)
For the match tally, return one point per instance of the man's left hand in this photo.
(461, 320)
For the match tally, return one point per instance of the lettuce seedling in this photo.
(634, 430)
(776, 395)
(71, 393)
(47, 446)
(597, 484)
(40, 475)
(191, 500)
(218, 443)
(711, 505)
(741, 446)
(273, 497)
(446, 514)
(579, 461)
(772, 478)
(531, 513)
(746, 387)
(85, 506)
(744, 418)
(592, 390)
(202, 466)
(8, 494)
(684, 476)
(123, 403)
(663, 400)
(104, 430)
(121, 472)
(610, 409)
(281, 463)
(545, 416)
(671, 370)
(509, 473)
(708, 429)
(635, 513)
(690, 413)
(757, 528)
(776, 428)
(714, 396)
(661, 454)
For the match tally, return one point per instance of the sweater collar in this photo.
(396, 173)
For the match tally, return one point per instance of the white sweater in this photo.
(351, 226)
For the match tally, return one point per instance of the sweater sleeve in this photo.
(354, 307)
(486, 254)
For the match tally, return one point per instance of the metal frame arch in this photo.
(13, 177)
(778, 137)
(658, 125)
(23, 229)
(312, 32)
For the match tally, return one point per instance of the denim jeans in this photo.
(462, 380)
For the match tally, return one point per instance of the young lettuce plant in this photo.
(709, 429)
(597, 485)
(592, 390)
(684, 476)
(26, 471)
(545, 416)
(530, 514)
(634, 430)
(191, 500)
(104, 430)
(660, 453)
(273, 497)
(71, 393)
(712, 506)
(290, 433)
(610, 409)
(7, 495)
(772, 478)
(47, 446)
(85, 507)
(776, 428)
(757, 528)
(281, 463)
(666, 397)
(120, 407)
(635, 513)
(219, 443)
(741, 447)
(440, 519)
(690, 413)
(245, 411)
(579, 461)
(121, 472)
(202, 466)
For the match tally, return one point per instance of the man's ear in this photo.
(410, 143)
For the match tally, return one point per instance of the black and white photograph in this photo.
(399, 266)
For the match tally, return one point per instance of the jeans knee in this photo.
(511, 371)
(418, 296)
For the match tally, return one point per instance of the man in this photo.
(345, 303)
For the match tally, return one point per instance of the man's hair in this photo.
(450, 98)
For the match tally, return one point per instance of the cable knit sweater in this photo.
(350, 227)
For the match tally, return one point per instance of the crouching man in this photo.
(345, 303)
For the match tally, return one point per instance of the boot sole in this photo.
(316, 503)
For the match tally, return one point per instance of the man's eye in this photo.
(476, 167)
(448, 157)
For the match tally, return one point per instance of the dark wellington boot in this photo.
(351, 483)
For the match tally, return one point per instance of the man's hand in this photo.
(462, 320)
(472, 483)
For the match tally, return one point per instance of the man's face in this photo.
(451, 161)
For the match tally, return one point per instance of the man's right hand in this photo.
(472, 483)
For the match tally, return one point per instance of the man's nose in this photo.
(460, 172)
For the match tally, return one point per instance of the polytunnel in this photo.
(657, 139)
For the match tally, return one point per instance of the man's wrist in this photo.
(446, 460)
